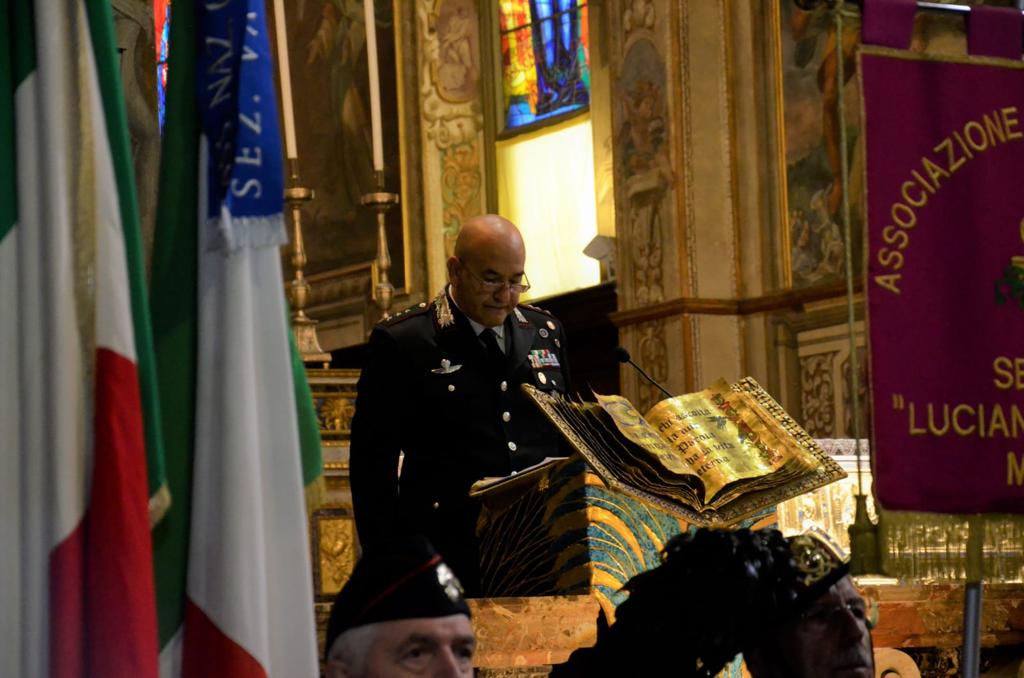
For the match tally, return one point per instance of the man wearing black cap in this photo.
(400, 614)
(787, 604)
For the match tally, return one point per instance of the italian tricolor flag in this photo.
(76, 574)
(234, 581)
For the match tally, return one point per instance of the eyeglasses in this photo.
(492, 286)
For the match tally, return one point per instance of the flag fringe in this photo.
(316, 494)
(159, 504)
(226, 233)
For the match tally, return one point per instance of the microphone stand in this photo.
(623, 357)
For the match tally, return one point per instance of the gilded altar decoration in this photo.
(334, 533)
(334, 399)
(336, 413)
(830, 508)
(915, 547)
(525, 672)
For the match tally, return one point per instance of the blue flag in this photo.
(238, 112)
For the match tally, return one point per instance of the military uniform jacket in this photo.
(430, 391)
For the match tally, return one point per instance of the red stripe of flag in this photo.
(101, 576)
(208, 652)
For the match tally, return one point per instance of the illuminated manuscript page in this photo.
(688, 434)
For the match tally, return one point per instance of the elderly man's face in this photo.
(441, 647)
(484, 284)
(482, 281)
(830, 640)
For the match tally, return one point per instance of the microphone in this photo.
(622, 355)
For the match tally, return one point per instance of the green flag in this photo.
(173, 300)
(175, 303)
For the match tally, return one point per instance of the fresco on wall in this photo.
(327, 51)
(643, 182)
(644, 169)
(457, 69)
(810, 57)
(810, 53)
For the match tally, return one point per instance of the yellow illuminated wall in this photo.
(546, 187)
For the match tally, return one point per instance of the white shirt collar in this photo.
(477, 327)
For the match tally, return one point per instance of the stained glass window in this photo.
(545, 54)
(162, 26)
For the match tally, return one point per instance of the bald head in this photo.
(488, 250)
(488, 233)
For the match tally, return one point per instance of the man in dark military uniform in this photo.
(442, 385)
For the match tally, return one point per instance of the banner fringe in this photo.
(929, 548)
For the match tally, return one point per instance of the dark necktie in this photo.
(495, 356)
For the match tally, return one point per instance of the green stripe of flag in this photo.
(173, 295)
(101, 28)
(18, 45)
(23, 42)
(309, 431)
(8, 182)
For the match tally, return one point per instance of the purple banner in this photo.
(888, 22)
(944, 144)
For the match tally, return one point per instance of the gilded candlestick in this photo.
(303, 326)
(380, 201)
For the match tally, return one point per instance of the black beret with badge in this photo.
(403, 578)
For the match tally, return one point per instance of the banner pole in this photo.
(864, 556)
(971, 656)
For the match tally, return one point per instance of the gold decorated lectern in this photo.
(560, 530)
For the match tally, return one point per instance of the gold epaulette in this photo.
(538, 310)
(414, 310)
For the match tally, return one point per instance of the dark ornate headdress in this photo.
(714, 594)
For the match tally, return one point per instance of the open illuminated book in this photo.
(713, 457)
